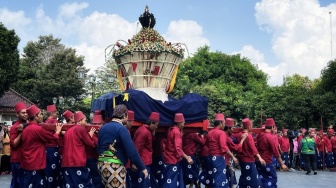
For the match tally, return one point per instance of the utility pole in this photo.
(331, 43)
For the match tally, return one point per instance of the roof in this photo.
(10, 98)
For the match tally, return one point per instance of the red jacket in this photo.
(91, 152)
(190, 142)
(248, 150)
(267, 146)
(143, 140)
(75, 140)
(34, 138)
(172, 149)
(52, 120)
(15, 151)
(216, 142)
(284, 144)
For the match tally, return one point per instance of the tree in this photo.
(9, 58)
(231, 83)
(48, 69)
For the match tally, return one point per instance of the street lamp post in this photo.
(92, 80)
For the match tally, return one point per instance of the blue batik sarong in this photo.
(53, 168)
(329, 159)
(34, 178)
(172, 176)
(249, 177)
(267, 175)
(190, 171)
(285, 158)
(17, 175)
(128, 177)
(138, 179)
(204, 176)
(77, 177)
(157, 168)
(97, 181)
(217, 169)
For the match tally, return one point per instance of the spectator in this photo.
(5, 158)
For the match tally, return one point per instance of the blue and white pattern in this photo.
(285, 158)
(91, 164)
(267, 175)
(249, 176)
(190, 172)
(34, 179)
(53, 168)
(217, 167)
(77, 177)
(17, 175)
(172, 176)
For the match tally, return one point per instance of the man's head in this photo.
(153, 121)
(247, 124)
(179, 120)
(80, 118)
(219, 121)
(97, 120)
(21, 111)
(35, 114)
(68, 116)
(130, 119)
(120, 112)
(285, 132)
(52, 111)
(312, 133)
(229, 123)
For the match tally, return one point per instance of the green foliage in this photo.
(231, 83)
(9, 58)
(48, 69)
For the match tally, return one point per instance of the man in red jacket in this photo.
(92, 154)
(249, 174)
(284, 147)
(268, 147)
(34, 140)
(143, 140)
(173, 154)
(190, 142)
(76, 174)
(53, 168)
(15, 141)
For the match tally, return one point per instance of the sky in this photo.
(280, 37)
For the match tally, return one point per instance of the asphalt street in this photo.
(297, 179)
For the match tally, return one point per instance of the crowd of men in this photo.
(112, 157)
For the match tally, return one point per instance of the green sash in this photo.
(108, 156)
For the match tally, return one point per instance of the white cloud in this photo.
(91, 34)
(301, 35)
(188, 32)
(275, 73)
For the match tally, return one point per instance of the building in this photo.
(7, 103)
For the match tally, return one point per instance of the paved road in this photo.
(296, 179)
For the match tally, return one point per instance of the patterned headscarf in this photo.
(119, 111)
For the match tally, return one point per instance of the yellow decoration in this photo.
(173, 80)
(119, 75)
(125, 97)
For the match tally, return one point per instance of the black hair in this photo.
(268, 127)
(149, 122)
(217, 122)
(306, 133)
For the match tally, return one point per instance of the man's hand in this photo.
(134, 168)
(262, 161)
(92, 131)
(189, 160)
(284, 167)
(145, 173)
(19, 128)
(58, 127)
(235, 160)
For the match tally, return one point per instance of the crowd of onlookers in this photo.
(4, 149)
